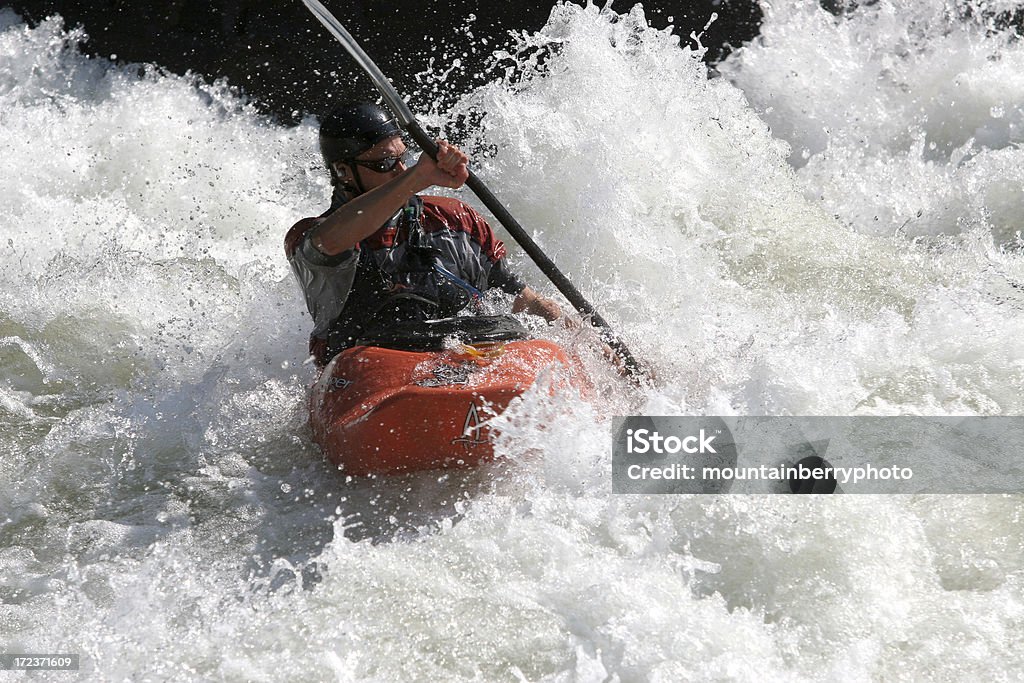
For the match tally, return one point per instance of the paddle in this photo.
(408, 121)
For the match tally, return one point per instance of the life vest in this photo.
(398, 280)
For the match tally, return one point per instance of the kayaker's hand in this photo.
(570, 321)
(646, 371)
(613, 358)
(535, 304)
(547, 309)
(450, 170)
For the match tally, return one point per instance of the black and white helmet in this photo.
(350, 130)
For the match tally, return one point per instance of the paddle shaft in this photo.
(427, 144)
(546, 265)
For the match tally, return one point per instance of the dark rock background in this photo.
(286, 62)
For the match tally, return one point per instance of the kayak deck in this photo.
(380, 411)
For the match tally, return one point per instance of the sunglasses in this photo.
(385, 165)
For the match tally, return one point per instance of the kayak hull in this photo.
(382, 411)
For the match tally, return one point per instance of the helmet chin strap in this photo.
(353, 187)
(355, 177)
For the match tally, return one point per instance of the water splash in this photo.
(164, 513)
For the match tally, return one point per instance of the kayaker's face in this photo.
(387, 151)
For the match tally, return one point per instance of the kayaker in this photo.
(382, 254)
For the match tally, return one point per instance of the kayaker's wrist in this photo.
(419, 178)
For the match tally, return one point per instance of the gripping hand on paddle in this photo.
(450, 170)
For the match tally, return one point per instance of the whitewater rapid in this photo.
(828, 227)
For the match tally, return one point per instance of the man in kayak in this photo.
(382, 254)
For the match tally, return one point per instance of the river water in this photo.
(828, 226)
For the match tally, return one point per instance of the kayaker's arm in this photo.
(535, 304)
(359, 218)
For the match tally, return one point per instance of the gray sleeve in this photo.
(325, 280)
(501, 276)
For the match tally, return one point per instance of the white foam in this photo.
(165, 513)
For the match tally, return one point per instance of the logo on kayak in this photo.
(472, 430)
(335, 383)
(446, 375)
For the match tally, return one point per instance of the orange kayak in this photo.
(377, 409)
